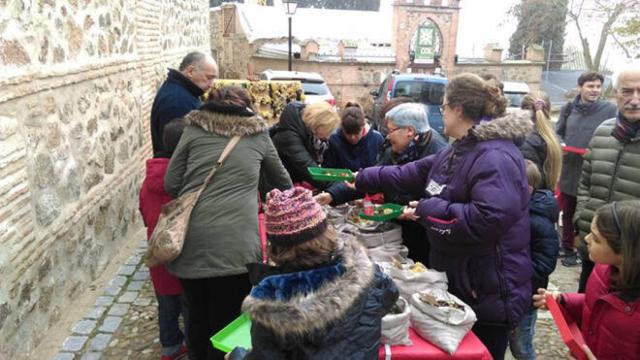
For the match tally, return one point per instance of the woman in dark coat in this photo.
(324, 298)
(301, 138)
(474, 206)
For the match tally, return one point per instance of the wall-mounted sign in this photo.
(426, 43)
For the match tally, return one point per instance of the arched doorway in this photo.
(425, 47)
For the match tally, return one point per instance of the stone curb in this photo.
(92, 334)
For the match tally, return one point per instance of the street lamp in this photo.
(290, 7)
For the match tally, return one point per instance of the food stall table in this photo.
(470, 348)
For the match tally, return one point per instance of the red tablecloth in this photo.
(470, 348)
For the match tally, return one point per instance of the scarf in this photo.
(320, 146)
(411, 152)
(626, 131)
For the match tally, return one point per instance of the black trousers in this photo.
(494, 337)
(212, 303)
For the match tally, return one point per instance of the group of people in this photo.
(479, 206)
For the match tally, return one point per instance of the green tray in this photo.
(328, 174)
(396, 210)
(237, 333)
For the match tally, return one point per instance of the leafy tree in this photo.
(539, 21)
(617, 18)
(628, 37)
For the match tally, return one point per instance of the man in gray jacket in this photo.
(578, 120)
(611, 169)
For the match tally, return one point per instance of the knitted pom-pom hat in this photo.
(293, 216)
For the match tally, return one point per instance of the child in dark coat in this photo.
(166, 286)
(323, 298)
(543, 214)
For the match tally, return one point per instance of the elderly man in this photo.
(180, 93)
(576, 124)
(611, 168)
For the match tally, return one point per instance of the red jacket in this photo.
(152, 197)
(610, 326)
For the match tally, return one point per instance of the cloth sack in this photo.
(412, 278)
(167, 239)
(443, 319)
(395, 327)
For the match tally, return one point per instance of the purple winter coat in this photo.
(475, 208)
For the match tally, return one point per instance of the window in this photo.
(421, 91)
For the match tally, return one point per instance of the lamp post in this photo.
(290, 7)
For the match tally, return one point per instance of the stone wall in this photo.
(77, 81)
(525, 71)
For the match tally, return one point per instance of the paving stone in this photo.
(64, 356)
(96, 312)
(142, 301)
(118, 280)
(112, 290)
(142, 243)
(128, 297)
(110, 324)
(74, 343)
(91, 356)
(84, 327)
(135, 285)
(141, 275)
(100, 342)
(133, 260)
(119, 309)
(104, 301)
(127, 270)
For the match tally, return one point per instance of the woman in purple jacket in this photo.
(474, 205)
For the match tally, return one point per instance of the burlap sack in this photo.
(443, 325)
(395, 327)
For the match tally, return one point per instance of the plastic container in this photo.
(383, 212)
(237, 333)
(367, 206)
(569, 331)
(329, 174)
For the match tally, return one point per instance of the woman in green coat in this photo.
(223, 231)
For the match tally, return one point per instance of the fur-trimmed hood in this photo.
(303, 314)
(226, 125)
(514, 125)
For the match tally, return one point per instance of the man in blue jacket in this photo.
(180, 93)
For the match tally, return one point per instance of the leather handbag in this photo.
(168, 237)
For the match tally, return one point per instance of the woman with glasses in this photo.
(474, 205)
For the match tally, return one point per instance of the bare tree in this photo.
(610, 13)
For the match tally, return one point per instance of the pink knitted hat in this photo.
(293, 216)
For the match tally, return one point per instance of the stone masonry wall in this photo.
(528, 72)
(77, 79)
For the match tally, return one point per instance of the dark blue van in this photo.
(422, 88)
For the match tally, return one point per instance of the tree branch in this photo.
(622, 46)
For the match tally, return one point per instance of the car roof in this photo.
(421, 77)
(515, 87)
(293, 75)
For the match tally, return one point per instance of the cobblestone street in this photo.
(123, 322)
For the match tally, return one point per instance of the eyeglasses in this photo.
(390, 131)
(442, 107)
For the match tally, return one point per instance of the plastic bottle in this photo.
(368, 205)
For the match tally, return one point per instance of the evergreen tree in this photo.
(539, 21)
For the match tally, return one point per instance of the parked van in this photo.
(313, 85)
(514, 91)
(422, 88)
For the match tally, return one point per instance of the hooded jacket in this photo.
(543, 214)
(330, 312)
(223, 231)
(342, 154)
(294, 142)
(611, 172)
(176, 98)
(475, 209)
(576, 130)
(609, 325)
(152, 197)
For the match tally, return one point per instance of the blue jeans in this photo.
(169, 309)
(521, 338)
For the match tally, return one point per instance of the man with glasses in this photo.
(611, 168)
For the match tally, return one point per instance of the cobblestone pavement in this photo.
(123, 322)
